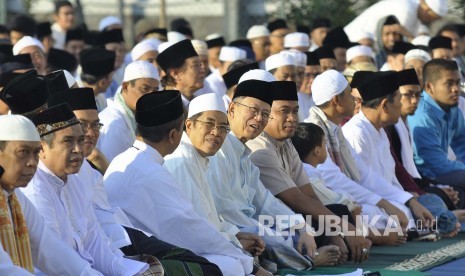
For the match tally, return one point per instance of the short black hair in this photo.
(449, 28)
(373, 104)
(91, 79)
(433, 68)
(156, 134)
(306, 138)
(62, 3)
(23, 24)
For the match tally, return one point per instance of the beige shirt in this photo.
(279, 163)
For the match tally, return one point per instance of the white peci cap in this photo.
(229, 53)
(175, 37)
(108, 21)
(206, 102)
(438, 6)
(257, 74)
(327, 85)
(278, 60)
(165, 45)
(200, 47)
(140, 69)
(26, 41)
(358, 51)
(299, 57)
(257, 31)
(421, 40)
(143, 47)
(296, 40)
(417, 54)
(17, 128)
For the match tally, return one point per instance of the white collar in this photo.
(149, 151)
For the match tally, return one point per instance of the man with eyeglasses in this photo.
(205, 131)
(312, 70)
(119, 130)
(240, 197)
(259, 37)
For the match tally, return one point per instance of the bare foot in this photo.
(460, 214)
(453, 233)
(389, 238)
(327, 255)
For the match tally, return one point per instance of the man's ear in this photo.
(124, 87)
(189, 124)
(384, 105)
(172, 136)
(43, 145)
(429, 87)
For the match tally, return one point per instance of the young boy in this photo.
(310, 143)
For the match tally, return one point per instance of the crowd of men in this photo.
(189, 156)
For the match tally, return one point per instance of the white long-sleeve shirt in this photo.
(67, 210)
(372, 146)
(45, 248)
(137, 182)
(216, 83)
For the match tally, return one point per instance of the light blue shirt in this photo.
(433, 130)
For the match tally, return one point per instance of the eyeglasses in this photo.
(211, 126)
(94, 126)
(416, 95)
(255, 112)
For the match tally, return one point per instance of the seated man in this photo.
(282, 173)
(380, 108)
(34, 245)
(438, 124)
(58, 195)
(119, 126)
(137, 182)
(113, 221)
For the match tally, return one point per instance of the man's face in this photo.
(310, 73)
(286, 73)
(38, 58)
(390, 35)
(91, 127)
(361, 59)
(214, 56)
(284, 119)
(204, 61)
(443, 53)
(357, 100)
(446, 89)
(120, 51)
(248, 117)
(65, 155)
(392, 111)
(426, 14)
(19, 159)
(15, 36)
(132, 94)
(277, 40)
(207, 132)
(192, 76)
(65, 17)
(456, 45)
(151, 57)
(396, 62)
(346, 104)
(261, 47)
(318, 35)
(327, 64)
(416, 64)
(340, 54)
(74, 47)
(410, 97)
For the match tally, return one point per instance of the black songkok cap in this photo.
(277, 24)
(312, 58)
(25, 93)
(76, 98)
(378, 84)
(359, 77)
(284, 91)
(215, 42)
(54, 119)
(157, 108)
(97, 61)
(407, 77)
(232, 77)
(257, 89)
(401, 47)
(43, 29)
(61, 60)
(115, 35)
(7, 77)
(76, 34)
(56, 82)
(24, 24)
(185, 31)
(440, 42)
(92, 38)
(175, 55)
(241, 43)
(161, 31)
(325, 52)
(18, 62)
(321, 22)
(391, 20)
(337, 38)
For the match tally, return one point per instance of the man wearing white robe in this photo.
(365, 131)
(119, 126)
(17, 132)
(58, 195)
(137, 182)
